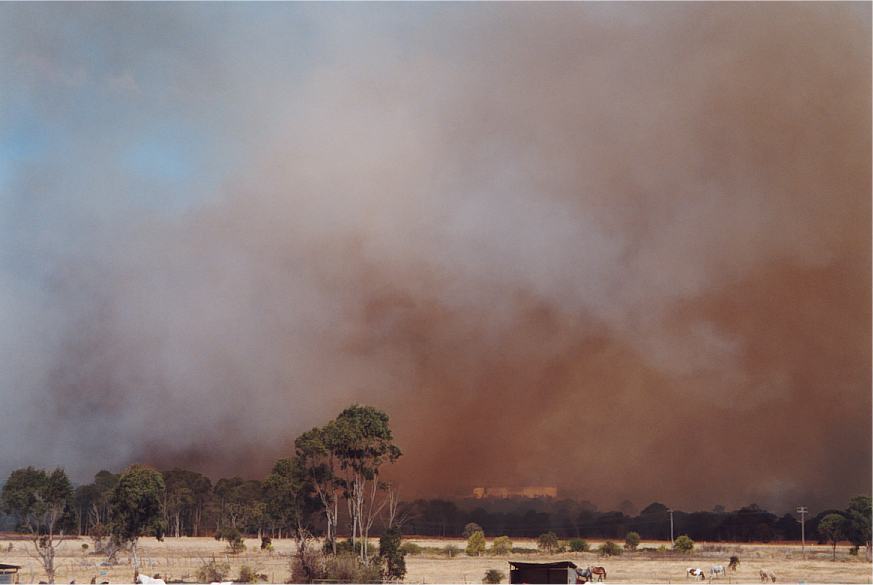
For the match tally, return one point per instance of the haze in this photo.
(623, 249)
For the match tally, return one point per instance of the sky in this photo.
(623, 249)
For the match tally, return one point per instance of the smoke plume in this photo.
(620, 249)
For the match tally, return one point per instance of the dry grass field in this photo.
(179, 559)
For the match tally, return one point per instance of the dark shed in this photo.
(559, 572)
(8, 573)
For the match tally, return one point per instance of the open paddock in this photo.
(179, 558)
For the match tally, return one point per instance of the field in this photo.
(179, 558)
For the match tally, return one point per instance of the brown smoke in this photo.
(621, 249)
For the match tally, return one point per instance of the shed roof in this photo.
(7, 566)
(555, 565)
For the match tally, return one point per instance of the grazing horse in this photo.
(599, 571)
(767, 576)
(695, 572)
(583, 575)
(716, 570)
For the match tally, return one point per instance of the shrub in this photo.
(391, 552)
(247, 575)
(523, 550)
(344, 547)
(307, 564)
(266, 543)
(451, 550)
(609, 549)
(476, 544)
(502, 545)
(683, 544)
(631, 540)
(578, 545)
(349, 569)
(235, 544)
(212, 571)
(548, 542)
(854, 550)
(84, 548)
(493, 576)
(410, 548)
(470, 528)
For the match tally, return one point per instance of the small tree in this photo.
(493, 577)
(832, 529)
(548, 542)
(470, 528)
(136, 509)
(858, 516)
(392, 554)
(40, 503)
(476, 544)
(631, 541)
(502, 545)
(578, 545)
(609, 549)
(683, 544)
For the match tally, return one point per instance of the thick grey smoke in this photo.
(624, 249)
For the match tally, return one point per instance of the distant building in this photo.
(559, 572)
(505, 493)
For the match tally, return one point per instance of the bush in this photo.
(470, 529)
(212, 571)
(854, 550)
(683, 544)
(493, 576)
(523, 550)
(344, 547)
(266, 543)
(349, 569)
(451, 550)
(476, 544)
(631, 540)
(247, 575)
(548, 542)
(578, 545)
(391, 552)
(502, 545)
(609, 549)
(734, 563)
(235, 544)
(410, 548)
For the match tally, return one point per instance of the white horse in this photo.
(695, 572)
(716, 570)
(146, 580)
(767, 576)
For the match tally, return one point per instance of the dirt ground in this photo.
(179, 558)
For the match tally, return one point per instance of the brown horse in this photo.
(600, 572)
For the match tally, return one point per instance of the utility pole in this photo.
(803, 511)
(672, 542)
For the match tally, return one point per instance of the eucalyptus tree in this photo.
(41, 502)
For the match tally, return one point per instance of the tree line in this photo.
(331, 486)
(574, 519)
(335, 468)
